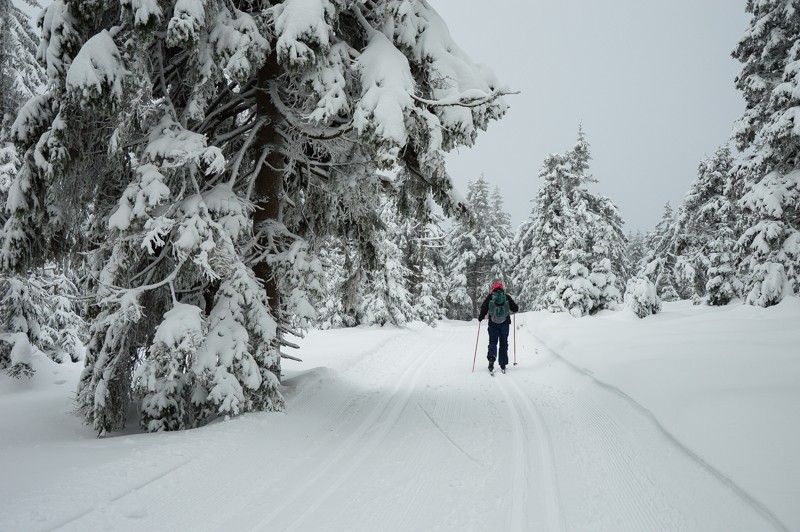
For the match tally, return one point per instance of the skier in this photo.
(499, 306)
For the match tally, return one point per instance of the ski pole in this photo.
(515, 339)
(476, 347)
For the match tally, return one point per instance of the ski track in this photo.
(535, 471)
(363, 441)
(644, 469)
(230, 472)
(445, 434)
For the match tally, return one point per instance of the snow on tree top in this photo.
(180, 323)
(303, 30)
(386, 86)
(143, 11)
(188, 20)
(97, 70)
(171, 145)
(238, 41)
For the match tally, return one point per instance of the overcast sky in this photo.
(651, 81)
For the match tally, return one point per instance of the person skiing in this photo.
(499, 306)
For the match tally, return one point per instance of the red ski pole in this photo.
(476, 347)
(515, 339)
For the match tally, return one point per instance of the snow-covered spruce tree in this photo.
(20, 74)
(478, 248)
(35, 308)
(425, 254)
(659, 264)
(406, 281)
(641, 297)
(338, 305)
(769, 131)
(637, 250)
(570, 288)
(708, 220)
(386, 298)
(540, 237)
(501, 234)
(608, 240)
(605, 237)
(571, 230)
(723, 284)
(460, 256)
(605, 282)
(38, 310)
(199, 147)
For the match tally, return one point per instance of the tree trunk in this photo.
(268, 181)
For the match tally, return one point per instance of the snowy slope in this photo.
(683, 421)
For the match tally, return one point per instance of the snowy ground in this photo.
(683, 421)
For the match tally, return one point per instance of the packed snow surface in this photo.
(686, 420)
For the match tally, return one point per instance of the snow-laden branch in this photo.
(237, 162)
(470, 98)
(315, 133)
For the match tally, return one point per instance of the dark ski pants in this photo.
(498, 331)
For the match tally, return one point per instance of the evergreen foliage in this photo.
(708, 221)
(478, 250)
(768, 132)
(637, 250)
(197, 153)
(386, 298)
(659, 263)
(38, 311)
(570, 234)
(641, 297)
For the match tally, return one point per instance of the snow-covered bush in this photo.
(641, 297)
(570, 288)
(723, 285)
(37, 310)
(608, 295)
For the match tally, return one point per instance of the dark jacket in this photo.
(485, 306)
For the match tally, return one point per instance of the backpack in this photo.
(499, 309)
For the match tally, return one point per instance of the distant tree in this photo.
(722, 285)
(430, 295)
(637, 249)
(22, 77)
(36, 309)
(478, 249)
(570, 288)
(39, 314)
(541, 236)
(339, 304)
(767, 131)
(386, 298)
(707, 221)
(571, 233)
(501, 236)
(659, 264)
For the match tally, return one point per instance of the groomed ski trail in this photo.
(392, 431)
